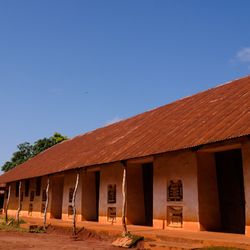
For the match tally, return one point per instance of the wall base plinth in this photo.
(103, 220)
(247, 231)
(190, 226)
(66, 217)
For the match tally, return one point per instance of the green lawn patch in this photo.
(12, 225)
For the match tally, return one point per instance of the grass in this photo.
(133, 237)
(12, 225)
(37, 229)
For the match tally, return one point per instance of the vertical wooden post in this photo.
(124, 195)
(7, 204)
(19, 202)
(46, 204)
(73, 203)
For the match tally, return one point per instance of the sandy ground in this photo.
(16, 240)
(93, 235)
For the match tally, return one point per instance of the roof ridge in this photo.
(164, 105)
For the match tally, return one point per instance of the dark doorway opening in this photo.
(147, 173)
(231, 191)
(1, 201)
(90, 195)
(57, 197)
(97, 188)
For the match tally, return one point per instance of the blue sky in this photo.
(73, 66)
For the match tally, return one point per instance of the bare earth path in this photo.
(16, 240)
(93, 235)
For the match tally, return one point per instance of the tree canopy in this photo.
(27, 150)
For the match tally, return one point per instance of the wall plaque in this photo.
(44, 195)
(71, 192)
(30, 209)
(6, 192)
(111, 193)
(17, 189)
(111, 214)
(175, 190)
(70, 210)
(32, 195)
(38, 186)
(42, 208)
(174, 216)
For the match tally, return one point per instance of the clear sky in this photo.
(72, 66)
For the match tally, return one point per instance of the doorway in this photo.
(231, 191)
(1, 200)
(147, 173)
(97, 193)
(140, 194)
(57, 197)
(90, 196)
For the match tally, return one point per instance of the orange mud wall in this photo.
(110, 175)
(13, 202)
(176, 166)
(26, 203)
(195, 170)
(69, 184)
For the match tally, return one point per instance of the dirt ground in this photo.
(92, 235)
(53, 240)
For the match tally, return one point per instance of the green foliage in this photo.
(41, 145)
(27, 151)
(37, 229)
(134, 238)
(23, 154)
(57, 137)
(12, 225)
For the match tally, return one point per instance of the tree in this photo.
(7, 166)
(42, 144)
(23, 154)
(57, 137)
(27, 150)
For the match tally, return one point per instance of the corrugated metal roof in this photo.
(214, 115)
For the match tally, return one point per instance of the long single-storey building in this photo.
(188, 166)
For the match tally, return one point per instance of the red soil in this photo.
(54, 239)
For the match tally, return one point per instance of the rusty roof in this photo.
(214, 115)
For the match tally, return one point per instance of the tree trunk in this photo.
(124, 195)
(46, 205)
(7, 205)
(19, 202)
(73, 203)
